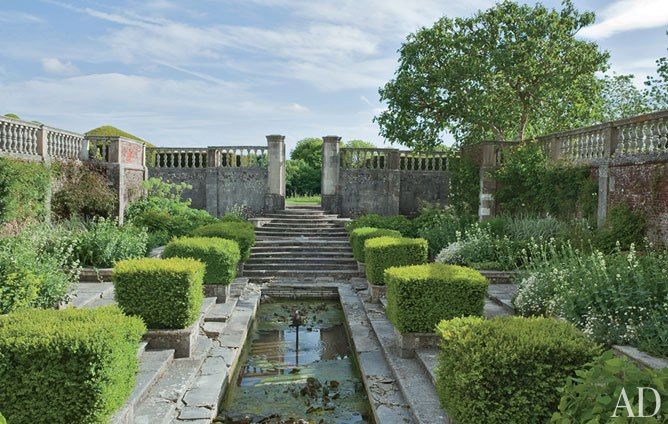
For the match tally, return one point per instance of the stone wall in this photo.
(369, 191)
(422, 187)
(196, 177)
(240, 187)
(644, 186)
(382, 181)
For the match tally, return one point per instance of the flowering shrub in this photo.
(103, 242)
(621, 298)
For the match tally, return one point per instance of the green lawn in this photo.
(303, 200)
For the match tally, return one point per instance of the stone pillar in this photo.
(275, 197)
(487, 183)
(603, 173)
(43, 151)
(211, 191)
(331, 160)
(84, 152)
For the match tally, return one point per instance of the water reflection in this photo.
(303, 372)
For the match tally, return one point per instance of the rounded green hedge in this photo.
(507, 369)
(165, 293)
(241, 232)
(420, 296)
(67, 366)
(359, 235)
(220, 256)
(384, 252)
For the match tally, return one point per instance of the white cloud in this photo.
(296, 107)
(628, 15)
(53, 65)
(11, 16)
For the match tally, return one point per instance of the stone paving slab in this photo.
(385, 397)
(221, 311)
(428, 359)
(85, 293)
(414, 382)
(503, 295)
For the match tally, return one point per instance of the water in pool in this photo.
(299, 368)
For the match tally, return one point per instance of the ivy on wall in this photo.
(24, 189)
(464, 184)
(528, 184)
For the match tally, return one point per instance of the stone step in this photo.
(414, 382)
(301, 216)
(285, 273)
(287, 253)
(298, 233)
(152, 366)
(307, 220)
(303, 241)
(316, 225)
(303, 238)
(317, 207)
(305, 266)
(428, 358)
(301, 260)
(302, 230)
(302, 211)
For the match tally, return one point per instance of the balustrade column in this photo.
(331, 161)
(487, 182)
(275, 198)
(42, 143)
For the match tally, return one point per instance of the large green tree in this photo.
(510, 72)
(309, 150)
(622, 99)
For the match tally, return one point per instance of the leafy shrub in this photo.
(420, 296)
(165, 293)
(241, 232)
(164, 214)
(490, 370)
(464, 185)
(23, 189)
(592, 395)
(620, 298)
(478, 245)
(103, 242)
(623, 227)
(219, 255)
(359, 235)
(385, 252)
(529, 183)
(85, 193)
(67, 366)
(42, 258)
(439, 226)
(397, 222)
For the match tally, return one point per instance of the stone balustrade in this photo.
(208, 157)
(423, 161)
(34, 141)
(640, 135)
(368, 158)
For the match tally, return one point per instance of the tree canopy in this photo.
(506, 73)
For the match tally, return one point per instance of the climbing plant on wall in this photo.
(529, 184)
(24, 187)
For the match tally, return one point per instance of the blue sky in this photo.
(228, 72)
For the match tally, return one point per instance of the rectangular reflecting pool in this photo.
(298, 368)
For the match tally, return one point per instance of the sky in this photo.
(228, 72)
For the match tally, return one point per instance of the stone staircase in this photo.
(301, 243)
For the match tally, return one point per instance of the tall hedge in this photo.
(420, 296)
(507, 369)
(359, 235)
(384, 252)
(220, 256)
(165, 293)
(67, 366)
(24, 187)
(241, 232)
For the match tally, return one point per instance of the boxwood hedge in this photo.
(241, 232)
(490, 371)
(359, 235)
(165, 293)
(420, 296)
(67, 366)
(220, 256)
(384, 252)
